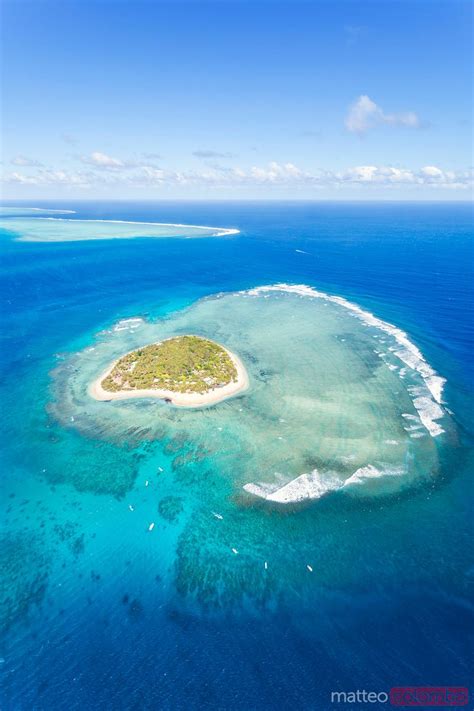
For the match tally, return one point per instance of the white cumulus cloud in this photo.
(78, 179)
(102, 160)
(432, 171)
(275, 172)
(364, 114)
(272, 174)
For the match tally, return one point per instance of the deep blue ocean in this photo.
(96, 623)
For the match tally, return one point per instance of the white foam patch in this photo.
(429, 411)
(307, 486)
(362, 474)
(315, 484)
(128, 324)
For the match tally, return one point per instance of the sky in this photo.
(251, 99)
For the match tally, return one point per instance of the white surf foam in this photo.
(362, 474)
(307, 486)
(407, 352)
(429, 411)
(128, 324)
(316, 484)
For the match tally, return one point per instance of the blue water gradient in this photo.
(100, 621)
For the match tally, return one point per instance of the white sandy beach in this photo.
(178, 399)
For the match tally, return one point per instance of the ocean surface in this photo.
(311, 535)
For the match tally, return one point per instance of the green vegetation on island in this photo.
(184, 364)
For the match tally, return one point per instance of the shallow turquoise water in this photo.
(66, 229)
(329, 394)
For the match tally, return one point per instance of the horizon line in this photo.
(469, 201)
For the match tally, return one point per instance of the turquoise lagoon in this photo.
(332, 403)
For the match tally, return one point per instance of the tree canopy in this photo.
(185, 364)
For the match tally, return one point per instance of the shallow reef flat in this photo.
(60, 229)
(340, 419)
(339, 401)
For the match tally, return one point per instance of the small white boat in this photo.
(309, 568)
(217, 515)
(131, 507)
(151, 526)
(160, 469)
(146, 483)
(266, 565)
(235, 551)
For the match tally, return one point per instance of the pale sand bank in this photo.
(179, 399)
(65, 229)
